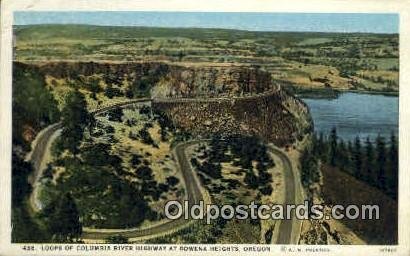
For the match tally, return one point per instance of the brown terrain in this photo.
(382, 231)
(203, 100)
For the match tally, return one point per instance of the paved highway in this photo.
(192, 184)
(36, 157)
(286, 226)
(193, 192)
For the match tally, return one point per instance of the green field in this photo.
(295, 59)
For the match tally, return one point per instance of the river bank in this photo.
(355, 114)
(329, 93)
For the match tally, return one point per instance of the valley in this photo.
(110, 124)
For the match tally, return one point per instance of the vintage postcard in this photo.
(174, 127)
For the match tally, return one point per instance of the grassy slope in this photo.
(382, 231)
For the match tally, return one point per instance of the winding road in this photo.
(41, 146)
(288, 227)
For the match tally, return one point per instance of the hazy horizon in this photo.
(256, 22)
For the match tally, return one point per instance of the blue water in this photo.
(355, 114)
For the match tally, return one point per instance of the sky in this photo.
(316, 22)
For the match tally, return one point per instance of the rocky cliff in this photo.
(203, 100)
(170, 80)
(274, 116)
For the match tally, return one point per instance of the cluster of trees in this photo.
(34, 106)
(242, 151)
(20, 173)
(115, 115)
(211, 169)
(146, 137)
(141, 87)
(166, 125)
(60, 220)
(113, 78)
(138, 87)
(375, 163)
(143, 135)
(24, 226)
(310, 172)
(111, 92)
(63, 219)
(75, 119)
(94, 176)
(91, 84)
(105, 197)
(249, 149)
(150, 188)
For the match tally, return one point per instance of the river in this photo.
(356, 114)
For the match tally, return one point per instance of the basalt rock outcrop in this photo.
(167, 80)
(204, 100)
(274, 116)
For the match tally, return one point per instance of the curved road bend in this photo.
(194, 196)
(286, 226)
(39, 150)
(192, 186)
(191, 182)
(37, 159)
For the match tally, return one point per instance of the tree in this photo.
(20, 172)
(136, 160)
(316, 144)
(129, 93)
(64, 222)
(358, 158)
(75, 118)
(369, 162)
(146, 137)
(333, 147)
(172, 181)
(93, 85)
(32, 103)
(251, 180)
(115, 115)
(381, 162)
(309, 168)
(393, 167)
(112, 92)
(343, 156)
(350, 156)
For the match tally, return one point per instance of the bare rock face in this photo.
(212, 82)
(274, 116)
(205, 100)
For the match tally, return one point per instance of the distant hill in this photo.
(29, 32)
(299, 60)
